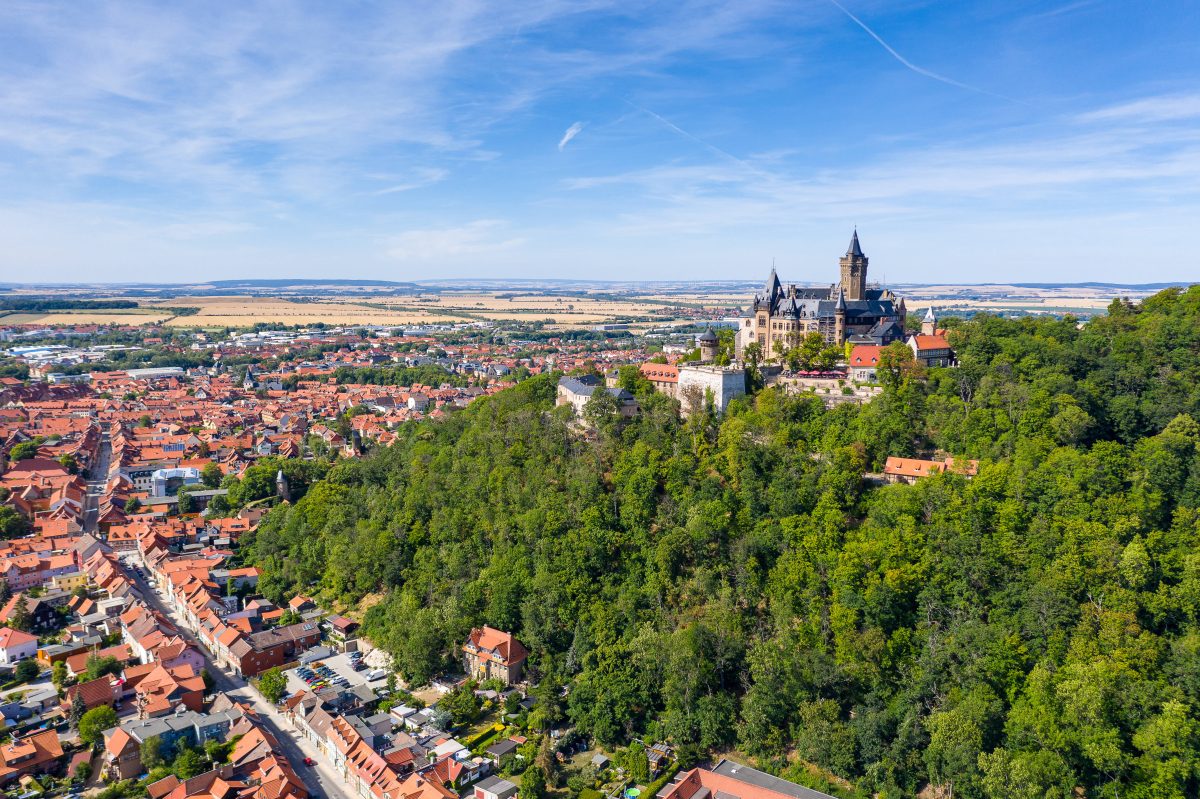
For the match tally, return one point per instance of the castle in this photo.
(849, 310)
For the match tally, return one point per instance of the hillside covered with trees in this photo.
(734, 582)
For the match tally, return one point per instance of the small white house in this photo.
(16, 646)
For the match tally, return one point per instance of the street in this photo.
(321, 780)
(97, 478)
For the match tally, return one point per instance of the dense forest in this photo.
(736, 582)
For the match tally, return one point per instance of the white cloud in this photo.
(1148, 109)
(479, 237)
(421, 178)
(570, 133)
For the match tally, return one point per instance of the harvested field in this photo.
(247, 311)
(132, 316)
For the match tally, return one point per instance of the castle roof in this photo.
(854, 248)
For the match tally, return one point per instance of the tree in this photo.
(600, 411)
(133, 505)
(153, 753)
(211, 475)
(68, 462)
(19, 618)
(58, 674)
(94, 722)
(189, 763)
(897, 365)
(272, 684)
(27, 670)
(25, 450)
(533, 783)
(636, 763)
(78, 708)
(98, 667)
(462, 704)
(186, 503)
(145, 420)
(5, 591)
(12, 523)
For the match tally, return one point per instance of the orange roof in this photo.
(504, 644)
(865, 355)
(931, 343)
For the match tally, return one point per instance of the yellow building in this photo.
(69, 582)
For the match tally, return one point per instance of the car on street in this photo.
(308, 761)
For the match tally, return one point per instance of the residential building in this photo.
(864, 360)
(16, 646)
(729, 779)
(35, 753)
(493, 654)
(255, 653)
(909, 470)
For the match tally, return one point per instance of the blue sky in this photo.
(968, 141)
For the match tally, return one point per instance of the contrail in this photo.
(571, 133)
(744, 164)
(919, 70)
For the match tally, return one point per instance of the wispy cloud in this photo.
(482, 236)
(910, 65)
(570, 133)
(421, 178)
(1149, 109)
(1069, 166)
(691, 137)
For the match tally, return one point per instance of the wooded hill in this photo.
(732, 582)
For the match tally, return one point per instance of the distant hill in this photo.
(1096, 285)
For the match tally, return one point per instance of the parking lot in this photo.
(337, 666)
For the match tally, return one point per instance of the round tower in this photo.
(708, 346)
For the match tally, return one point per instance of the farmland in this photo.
(556, 307)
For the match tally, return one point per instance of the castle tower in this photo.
(929, 323)
(708, 346)
(854, 270)
(839, 318)
(281, 487)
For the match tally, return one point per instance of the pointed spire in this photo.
(929, 315)
(840, 306)
(854, 248)
(773, 288)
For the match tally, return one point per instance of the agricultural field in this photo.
(640, 306)
(567, 312)
(246, 311)
(130, 316)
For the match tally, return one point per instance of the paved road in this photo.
(321, 780)
(97, 479)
